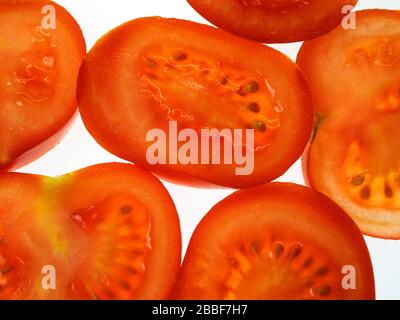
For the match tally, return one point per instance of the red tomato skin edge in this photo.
(304, 165)
(41, 149)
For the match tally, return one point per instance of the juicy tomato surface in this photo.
(277, 241)
(355, 155)
(110, 231)
(41, 51)
(275, 21)
(151, 71)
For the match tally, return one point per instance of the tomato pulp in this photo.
(354, 157)
(109, 231)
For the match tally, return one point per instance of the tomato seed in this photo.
(126, 209)
(180, 56)
(357, 180)
(277, 249)
(224, 81)
(125, 285)
(388, 191)
(250, 87)
(365, 193)
(295, 250)
(322, 271)
(260, 126)
(323, 291)
(254, 107)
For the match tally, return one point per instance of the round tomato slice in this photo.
(110, 231)
(41, 51)
(152, 72)
(277, 241)
(355, 155)
(275, 21)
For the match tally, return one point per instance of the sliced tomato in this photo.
(275, 21)
(151, 71)
(41, 51)
(109, 231)
(355, 155)
(277, 241)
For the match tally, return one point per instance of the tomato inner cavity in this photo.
(373, 175)
(185, 82)
(373, 52)
(121, 243)
(32, 77)
(371, 170)
(101, 253)
(278, 270)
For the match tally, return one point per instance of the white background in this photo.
(79, 150)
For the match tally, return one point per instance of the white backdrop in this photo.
(79, 150)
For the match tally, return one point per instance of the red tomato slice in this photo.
(277, 241)
(110, 231)
(41, 51)
(151, 71)
(355, 155)
(274, 21)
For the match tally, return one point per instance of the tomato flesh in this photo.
(361, 112)
(274, 21)
(171, 71)
(105, 236)
(202, 78)
(38, 77)
(277, 241)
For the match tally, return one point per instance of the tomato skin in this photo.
(355, 110)
(277, 211)
(118, 112)
(273, 25)
(26, 136)
(59, 238)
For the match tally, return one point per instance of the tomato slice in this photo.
(110, 231)
(355, 155)
(277, 241)
(41, 51)
(274, 21)
(151, 71)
